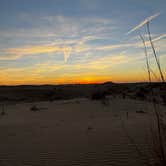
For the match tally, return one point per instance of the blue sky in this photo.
(67, 41)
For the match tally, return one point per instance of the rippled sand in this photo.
(76, 132)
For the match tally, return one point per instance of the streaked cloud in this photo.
(143, 23)
(159, 37)
(74, 47)
(15, 53)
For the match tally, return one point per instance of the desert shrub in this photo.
(98, 95)
(3, 110)
(141, 94)
(3, 113)
(34, 108)
(123, 95)
(101, 96)
(50, 95)
(105, 101)
(140, 112)
(163, 97)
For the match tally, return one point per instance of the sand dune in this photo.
(76, 132)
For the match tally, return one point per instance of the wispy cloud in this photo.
(57, 34)
(143, 23)
(160, 37)
(77, 47)
(15, 53)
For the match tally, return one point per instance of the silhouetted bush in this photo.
(3, 110)
(3, 113)
(163, 97)
(98, 95)
(123, 95)
(34, 108)
(101, 96)
(141, 94)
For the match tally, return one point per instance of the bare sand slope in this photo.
(76, 132)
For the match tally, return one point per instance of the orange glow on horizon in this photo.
(72, 80)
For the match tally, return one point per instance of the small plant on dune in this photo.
(155, 55)
(101, 96)
(3, 110)
(160, 130)
(141, 95)
(98, 95)
(163, 96)
(34, 108)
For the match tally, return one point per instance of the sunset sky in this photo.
(78, 41)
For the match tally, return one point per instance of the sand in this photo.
(78, 132)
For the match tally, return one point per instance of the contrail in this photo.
(143, 23)
(160, 37)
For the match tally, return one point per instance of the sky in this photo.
(79, 41)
